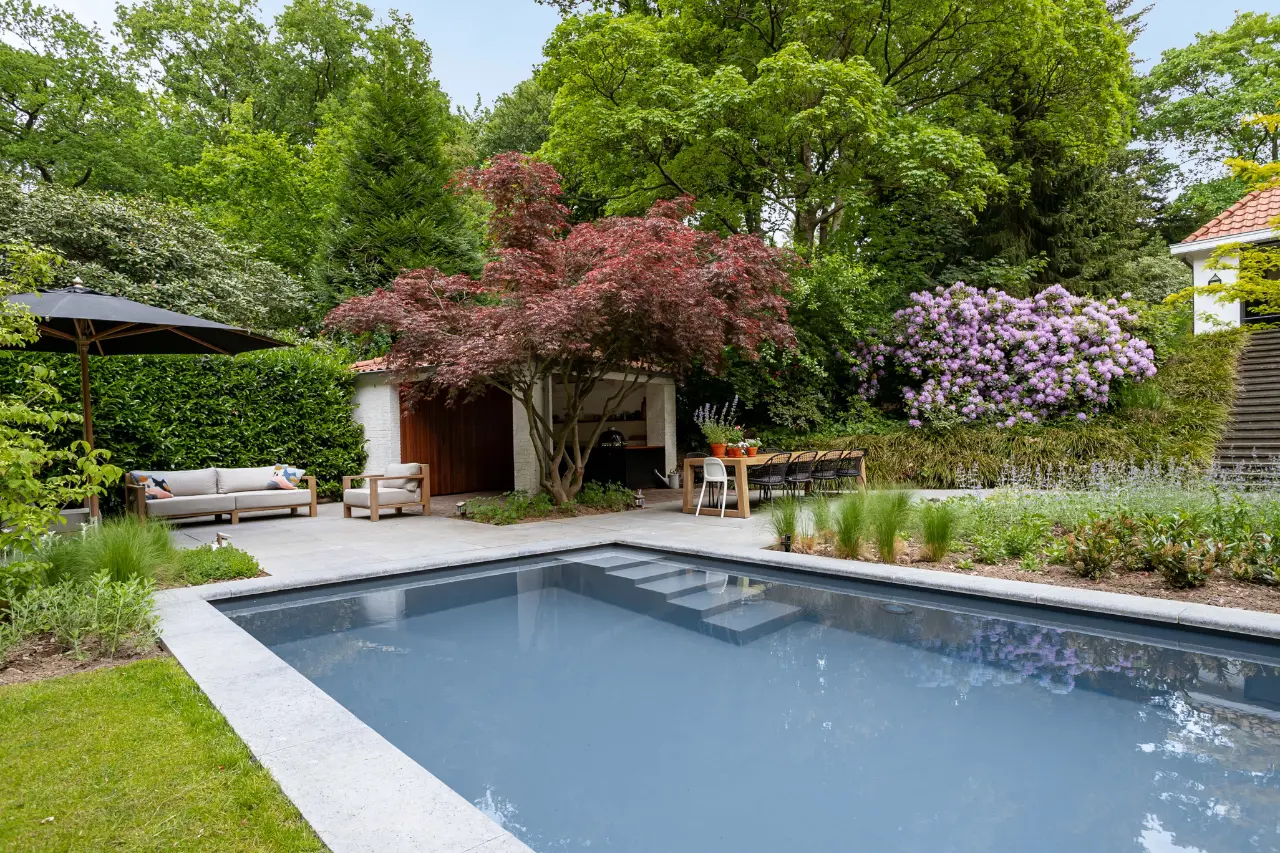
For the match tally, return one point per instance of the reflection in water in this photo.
(582, 709)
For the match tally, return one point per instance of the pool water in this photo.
(629, 701)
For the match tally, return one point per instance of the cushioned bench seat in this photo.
(217, 491)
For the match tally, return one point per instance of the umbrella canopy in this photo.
(77, 319)
(113, 325)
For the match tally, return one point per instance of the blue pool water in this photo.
(624, 701)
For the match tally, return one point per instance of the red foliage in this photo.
(619, 291)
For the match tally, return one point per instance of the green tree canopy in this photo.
(152, 252)
(393, 209)
(70, 112)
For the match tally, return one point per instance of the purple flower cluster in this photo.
(987, 355)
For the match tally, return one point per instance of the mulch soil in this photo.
(38, 658)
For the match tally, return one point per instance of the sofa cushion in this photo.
(265, 498)
(244, 479)
(399, 470)
(386, 496)
(191, 505)
(183, 484)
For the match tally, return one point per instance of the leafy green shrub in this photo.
(1258, 560)
(510, 508)
(784, 517)
(989, 549)
(888, 513)
(1030, 563)
(100, 616)
(293, 406)
(1196, 566)
(206, 564)
(614, 497)
(1026, 536)
(937, 529)
(850, 520)
(964, 564)
(1161, 543)
(1094, 548)
(120, 548)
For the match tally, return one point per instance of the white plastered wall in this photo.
(378, 411)
(1211, 312)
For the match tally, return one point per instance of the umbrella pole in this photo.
(83, 347)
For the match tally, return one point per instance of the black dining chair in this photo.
(769, 475)
(853, 467)
(800, 470)
(826, 472)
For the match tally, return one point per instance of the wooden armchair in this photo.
(406, 484)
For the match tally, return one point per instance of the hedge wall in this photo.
(1178, 416)
(290, 406)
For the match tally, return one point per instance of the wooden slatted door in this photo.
(467, 445)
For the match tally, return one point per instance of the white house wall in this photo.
(378, 411)
(1211, 312)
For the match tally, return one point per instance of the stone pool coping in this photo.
(361, 794)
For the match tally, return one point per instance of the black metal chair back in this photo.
(800, 471)
(769, 475)
(851, 462)
(827, 469)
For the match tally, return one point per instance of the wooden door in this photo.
(467, 445)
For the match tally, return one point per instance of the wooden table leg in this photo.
(740, 483)
(688, 486)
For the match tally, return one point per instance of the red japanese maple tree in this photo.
(622, 297)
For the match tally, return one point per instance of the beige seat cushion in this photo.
(244, 479)
(265, 498)
(395, 473)
(183, 484)
(191, 505)
(386, 496)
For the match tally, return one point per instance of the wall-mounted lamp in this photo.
(1215, 280)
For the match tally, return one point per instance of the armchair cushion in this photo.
(386, 496)
(395, 476)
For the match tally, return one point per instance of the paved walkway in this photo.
(296, 546)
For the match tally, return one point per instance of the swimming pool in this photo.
(638, 701)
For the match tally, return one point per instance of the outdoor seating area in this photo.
(708, 480)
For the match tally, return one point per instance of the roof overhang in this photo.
(1209, 245)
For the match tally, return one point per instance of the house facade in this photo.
(1247, 221)
(484, 444)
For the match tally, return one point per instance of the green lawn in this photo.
(133, 758)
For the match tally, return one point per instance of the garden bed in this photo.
(42, 656)
(1219, 591)
(521, 507)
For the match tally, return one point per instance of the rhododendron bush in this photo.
(985, 355)
(623, 298)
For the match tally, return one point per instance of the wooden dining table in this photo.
(737, 468)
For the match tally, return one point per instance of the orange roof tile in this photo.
(1254, 212)
(372, 365)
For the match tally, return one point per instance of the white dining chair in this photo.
(715, 474)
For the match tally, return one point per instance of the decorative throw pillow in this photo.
(155, 487)
(284, 477)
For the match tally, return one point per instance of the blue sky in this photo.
(487, 46)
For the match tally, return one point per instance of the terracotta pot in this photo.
(751, 451)
(717, 450)
(734, 452)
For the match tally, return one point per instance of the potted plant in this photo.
(751, 446)
(733, 440)
(717, 425)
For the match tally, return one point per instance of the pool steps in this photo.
(686, 596)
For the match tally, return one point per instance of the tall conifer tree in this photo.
(393, 210)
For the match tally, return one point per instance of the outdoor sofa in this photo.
(404, 484)
(218, 492)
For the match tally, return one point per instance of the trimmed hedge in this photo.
(1182, 420)
(171, 412)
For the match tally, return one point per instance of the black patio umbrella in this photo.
(84, 321)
